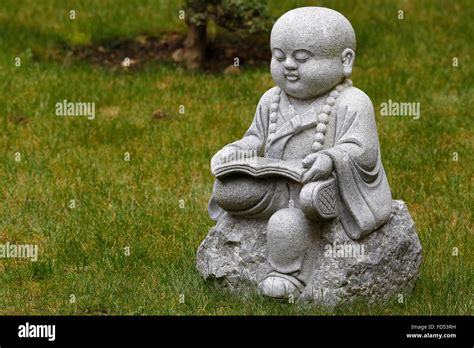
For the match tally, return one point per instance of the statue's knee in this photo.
(289, 235)
(240, 193)
(289, 227)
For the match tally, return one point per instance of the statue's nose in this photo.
(290, 63)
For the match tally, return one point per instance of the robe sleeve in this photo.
(364, 194)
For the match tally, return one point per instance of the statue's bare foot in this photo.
(281, 286)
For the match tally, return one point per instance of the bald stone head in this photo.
(313, 49)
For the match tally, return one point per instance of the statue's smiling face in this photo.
(308, 51)
(304, 73)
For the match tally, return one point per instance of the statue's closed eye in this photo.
(302, 55)
(279, 54)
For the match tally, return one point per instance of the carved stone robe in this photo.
(351, 142)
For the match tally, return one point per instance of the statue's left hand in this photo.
(321, 169)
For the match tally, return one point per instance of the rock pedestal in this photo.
(374, 268)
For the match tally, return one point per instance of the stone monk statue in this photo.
(315, 124)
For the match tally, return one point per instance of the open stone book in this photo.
(262, 167)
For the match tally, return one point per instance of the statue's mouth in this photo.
(291, 77)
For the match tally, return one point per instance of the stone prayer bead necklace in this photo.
(322, 117)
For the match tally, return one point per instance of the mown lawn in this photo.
(156, 203)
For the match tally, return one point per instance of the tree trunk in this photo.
(195, 46)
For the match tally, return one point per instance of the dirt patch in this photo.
(135, 53)
(18, 117)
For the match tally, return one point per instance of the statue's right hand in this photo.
(309, 160)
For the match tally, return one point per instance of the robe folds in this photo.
(351, 142)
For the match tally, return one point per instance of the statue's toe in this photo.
(279, 286)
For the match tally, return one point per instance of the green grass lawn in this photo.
(156, 203)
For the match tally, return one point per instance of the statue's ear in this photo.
(348, 58)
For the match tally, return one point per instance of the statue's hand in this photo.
(321, 168)
(222, 156)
